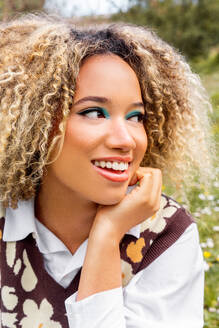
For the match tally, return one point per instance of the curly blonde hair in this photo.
(40, 59)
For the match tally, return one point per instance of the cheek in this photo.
(78, 136)
(142, 142)
(75, 139)
(83, 139)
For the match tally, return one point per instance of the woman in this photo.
(89, 120)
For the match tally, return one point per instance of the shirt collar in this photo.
(20, 222)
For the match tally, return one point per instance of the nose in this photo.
(119, 136)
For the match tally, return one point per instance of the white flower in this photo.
(202, 196)
(216, 208)
(206, 266)
(38, 317)
(216, 228)
(197, 214)
(203, 245)
(206, 210)
(210, 242)
(216, 184)
(210, 197)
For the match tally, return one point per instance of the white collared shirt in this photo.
(166, 294)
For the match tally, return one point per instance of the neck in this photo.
(65, 213)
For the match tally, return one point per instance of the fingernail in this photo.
(133, 180)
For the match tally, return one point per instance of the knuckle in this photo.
(153, 205)
(157, 171)
(156, 208)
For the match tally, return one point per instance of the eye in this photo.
(136, 117)
(94, 113)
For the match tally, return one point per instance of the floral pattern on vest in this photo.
(31, 298)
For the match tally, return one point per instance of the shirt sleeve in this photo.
(166, 294)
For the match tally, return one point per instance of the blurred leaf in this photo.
(191, 26)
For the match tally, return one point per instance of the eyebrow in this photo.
(102, 100)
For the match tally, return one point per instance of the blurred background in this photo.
(191, 26)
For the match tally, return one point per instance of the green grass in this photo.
(204, 204)
(207, 66)
(205, 208)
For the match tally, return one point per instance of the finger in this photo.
(133, 180)
(150, 182)
(143, 174)
(136, 177)
(156, 187)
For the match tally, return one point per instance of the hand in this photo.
(141, 203)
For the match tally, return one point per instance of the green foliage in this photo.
(190, 26)
(215, 102)
(205, 208)
(207, 65)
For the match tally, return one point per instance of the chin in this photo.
(108, 202)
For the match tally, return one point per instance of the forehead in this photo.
(106, 74)
(105, 62)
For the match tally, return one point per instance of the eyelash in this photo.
(141, 117)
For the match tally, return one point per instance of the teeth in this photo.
(122, 166)
(117, 166)
(102, 164)
(109, 165)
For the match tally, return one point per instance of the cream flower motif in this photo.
(28, 279)
(157, 223)
(38, 317)
(9, 299)
(173, 203)
(17, 266)
(171, 209)
(8, 319)
(126, 272)
(11, 256)
(10, 253)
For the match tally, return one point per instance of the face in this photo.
(105, 139)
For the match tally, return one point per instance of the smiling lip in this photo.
(115, 177)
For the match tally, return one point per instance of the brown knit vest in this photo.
(32, 299)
